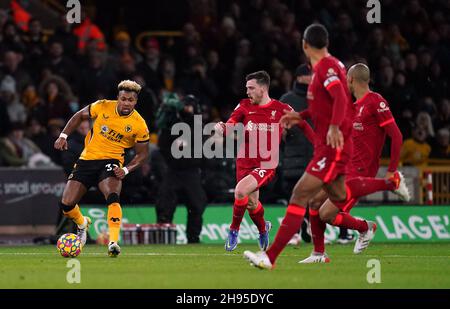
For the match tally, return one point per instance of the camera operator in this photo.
(181, 180)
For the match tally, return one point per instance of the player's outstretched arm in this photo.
(289, 119)
(72, 125)
(141, 156)
(307, 131)
(396, 137)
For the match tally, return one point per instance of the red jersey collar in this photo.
(315, 66)
(267, 104)
(363, 97)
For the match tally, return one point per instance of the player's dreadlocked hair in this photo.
(129, 85)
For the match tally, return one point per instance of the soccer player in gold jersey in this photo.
(116, 127)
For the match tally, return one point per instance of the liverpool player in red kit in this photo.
(373, 121)
(260, 116)
(331, 110)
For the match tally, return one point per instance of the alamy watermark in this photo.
(374, 274)
(251, 141)
(74, 274)
(374, 14)
(73, 16)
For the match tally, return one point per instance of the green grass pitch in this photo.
(209, 266)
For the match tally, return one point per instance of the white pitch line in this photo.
(217, 254)
(128, 254)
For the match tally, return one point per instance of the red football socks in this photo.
(257, 217)
(289, 226)
(346, 220)
(362, 186)
(318, 231)
(238, 212)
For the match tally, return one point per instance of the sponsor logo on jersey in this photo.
(358, 126)
(111, 134)
(383, 107)
(259, 127)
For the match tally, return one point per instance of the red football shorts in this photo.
(262, 176)
(328, 163)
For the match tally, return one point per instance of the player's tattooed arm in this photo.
(72, 125)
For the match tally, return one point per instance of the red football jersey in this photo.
(262, 125)
(372, 113)
(329, 73)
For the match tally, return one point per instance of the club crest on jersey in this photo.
(273, 114)
(105, 116)
(104, 129)
(128, 128)
(361, 110)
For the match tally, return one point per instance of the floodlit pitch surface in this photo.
(209, 266)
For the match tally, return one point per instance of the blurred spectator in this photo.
(86, 32)
(344, 37)
(218, 73)
(55, 93)
(11, 39)
(55, 127)
(98, 79)
(20, 15)
(37, 133)
(35, 44)
(443, 115)
(416, 150)
(243, 63)
(168, 72)
(122, 49)
(16, 110)
(75, 145)
(442, 148)
(5, 122)
(297, 150)
(396, 44)
(59, 64)
(424, 122)
(147, 103)
(404, 95)
(150, 65)
(198, 83)
(17, 150)
(63, 33)
(406, 123)
(11, 66)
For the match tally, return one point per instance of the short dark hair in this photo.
(316, 35)
(262, 78)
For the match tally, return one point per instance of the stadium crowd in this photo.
(46, 75)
